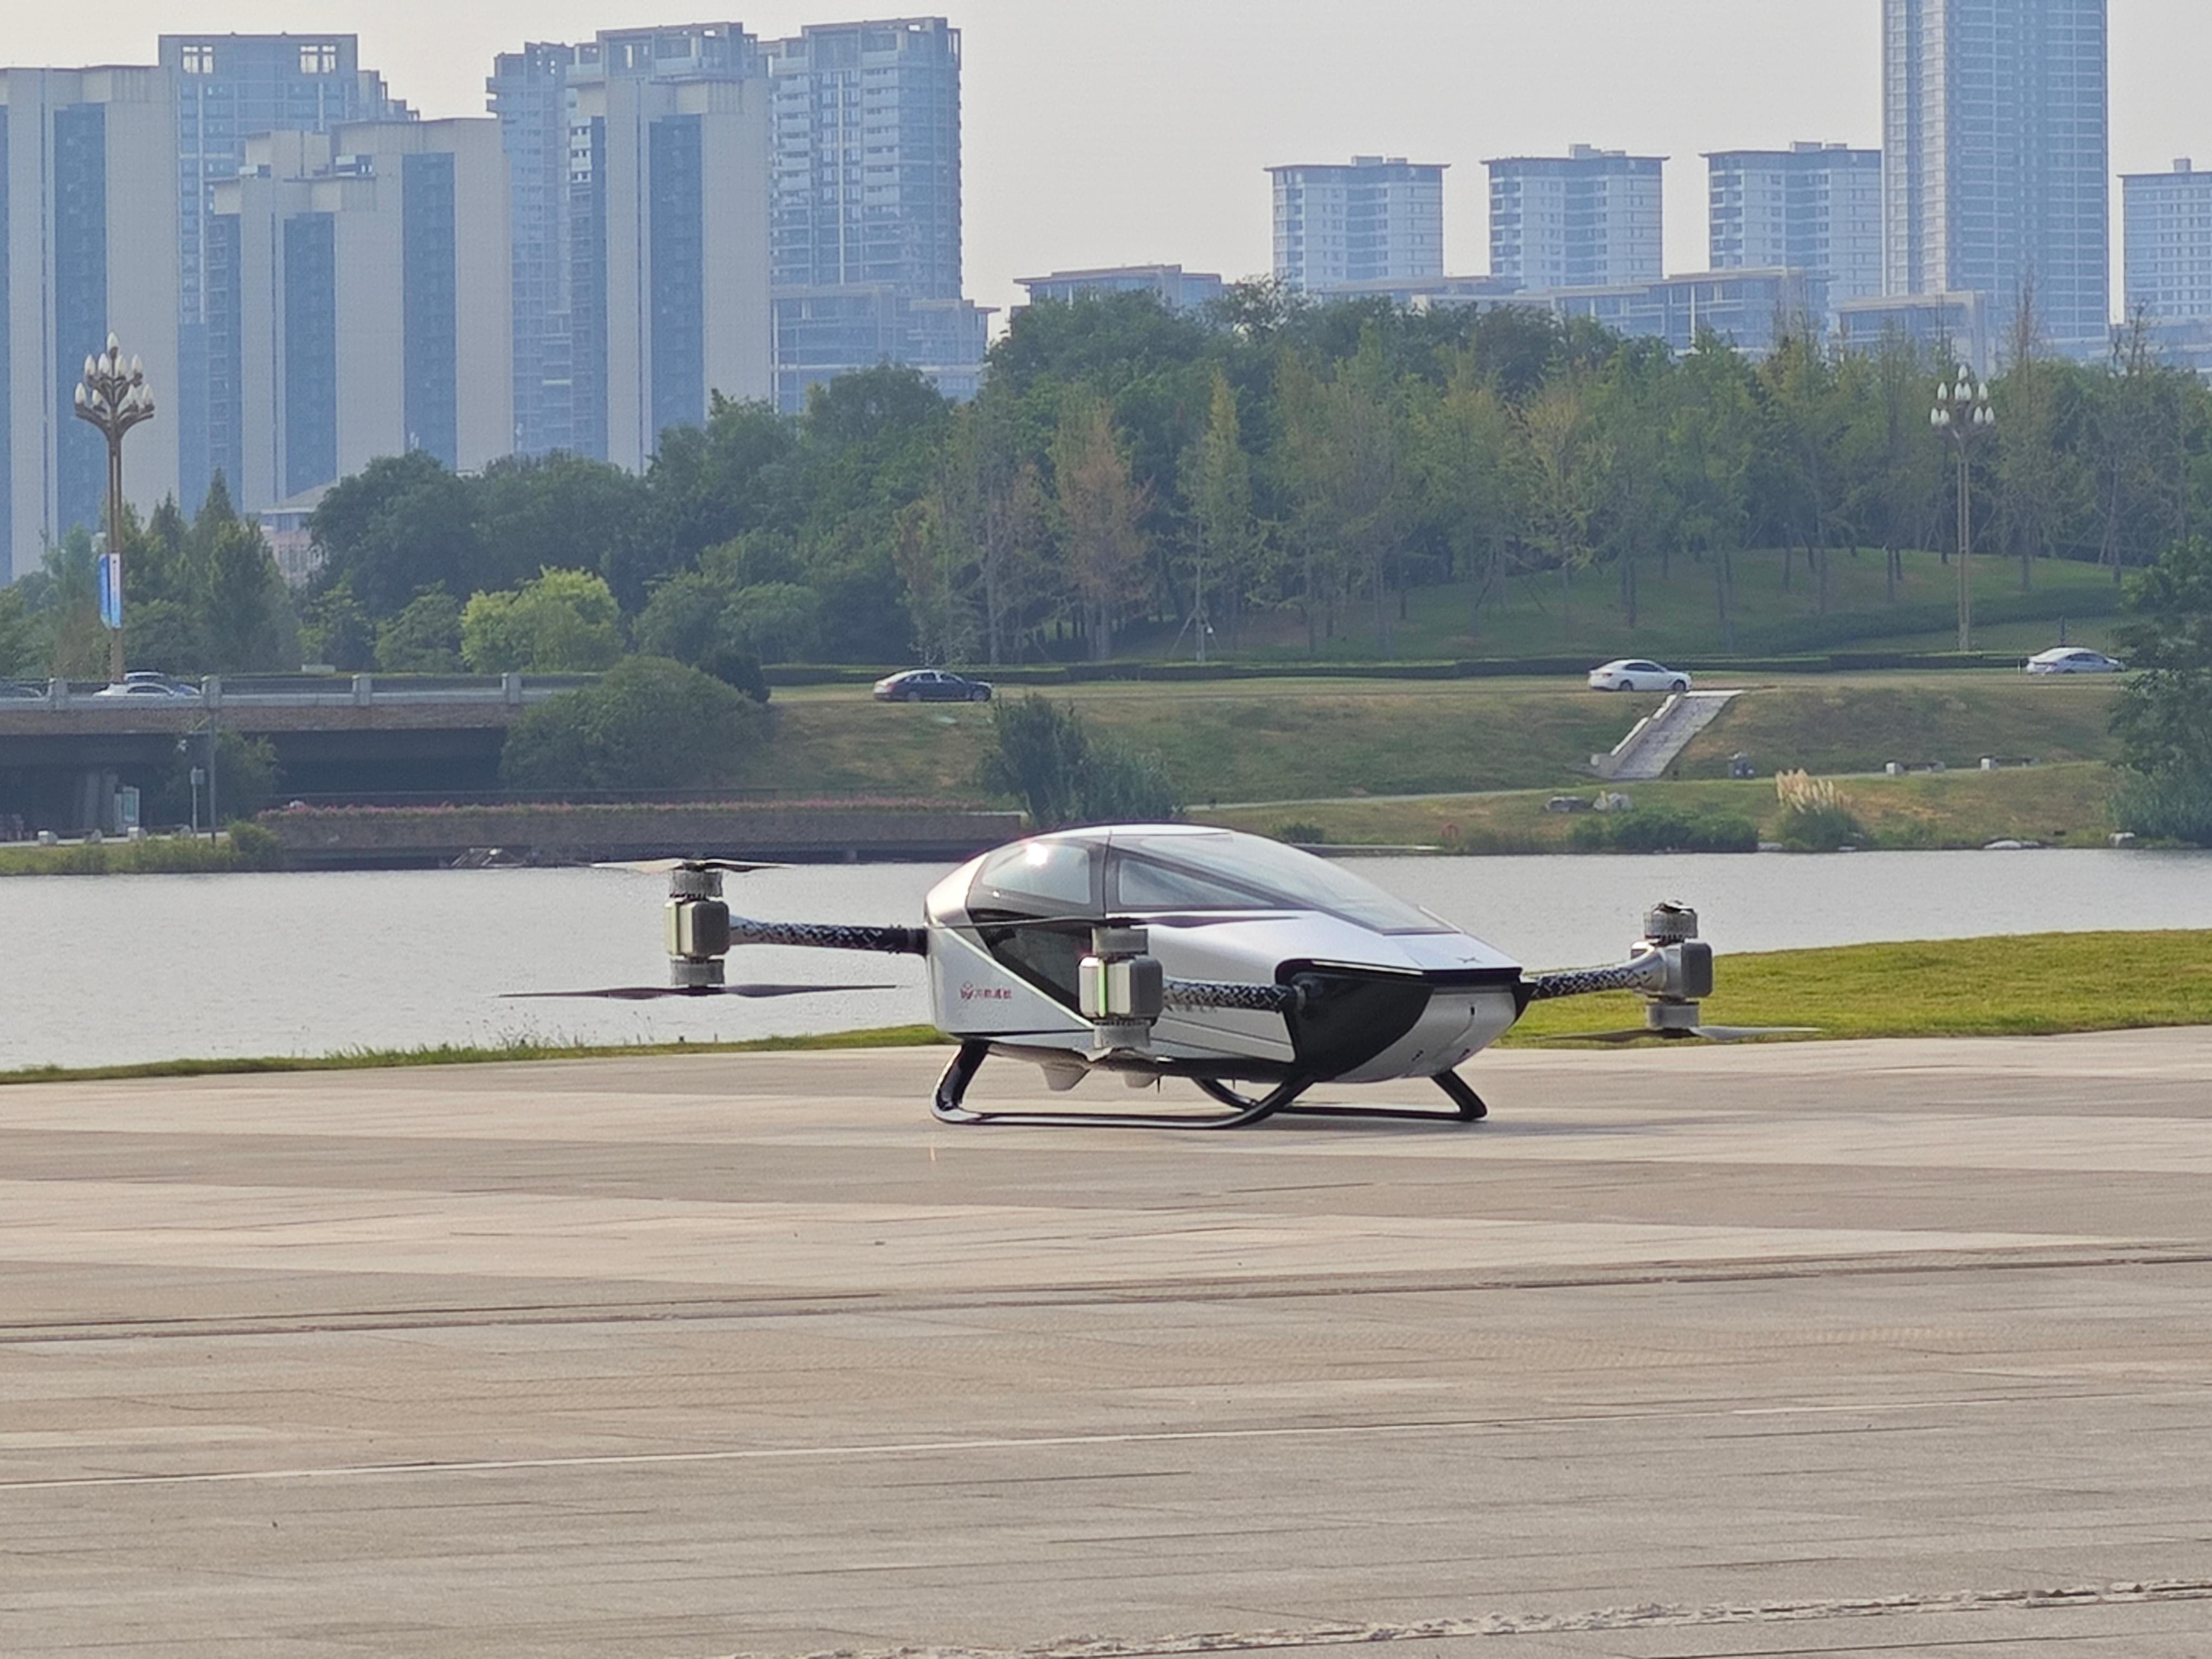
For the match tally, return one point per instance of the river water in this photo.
(120, 969)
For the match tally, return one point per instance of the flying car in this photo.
(1252, 969)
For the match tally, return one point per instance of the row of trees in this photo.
(1202, 477)
(1269, 468)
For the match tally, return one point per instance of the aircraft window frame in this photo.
(1352, 899)
(987, 898)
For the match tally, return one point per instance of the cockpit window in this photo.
(1038, 878)
(1243, 872)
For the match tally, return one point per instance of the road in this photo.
(1809, 1349)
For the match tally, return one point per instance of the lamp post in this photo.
(1962, 414)
(114, 397)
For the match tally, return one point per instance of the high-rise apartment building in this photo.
(1592, 218)
(2167, 218)
(371, 302)
(866, 206)
(229, 89)
(640, 267)
(88, 245)
(1381, 219)
(1996, 158)
(1815, 208)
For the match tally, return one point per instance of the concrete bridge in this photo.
(66, 757)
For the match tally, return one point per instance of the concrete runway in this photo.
(1812, 1349)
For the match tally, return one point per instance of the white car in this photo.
(2071, 660)
(1636, 674)
(149, 688)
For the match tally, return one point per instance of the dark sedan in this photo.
(930, 685)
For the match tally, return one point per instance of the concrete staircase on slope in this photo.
(1650, 747)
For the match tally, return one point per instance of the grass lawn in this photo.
(2026, 986)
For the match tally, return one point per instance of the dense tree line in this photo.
(1135, 479)
(1188, 475)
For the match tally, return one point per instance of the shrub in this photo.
(1298, 830)
(253, 848)
(1044, 754)
(646, 724)
(1815, 818)
(2168, 806)
(1650, 831)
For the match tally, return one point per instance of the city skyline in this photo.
(1193, 130)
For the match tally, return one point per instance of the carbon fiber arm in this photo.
(831, 936)
(1647, 974)
(1183, 994)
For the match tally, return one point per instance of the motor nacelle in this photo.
(1670, 944)
(1121, 989)
(698, 929)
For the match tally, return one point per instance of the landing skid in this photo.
(1470, 1105)
(952, 1090)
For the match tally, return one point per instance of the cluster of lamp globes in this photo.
(1963, 409)
(114, 395)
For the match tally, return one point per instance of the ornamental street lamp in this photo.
(114, 397)
(1962, 414)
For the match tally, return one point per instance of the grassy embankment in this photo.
(1678, 615)
(2030, 986)
(1321, 752)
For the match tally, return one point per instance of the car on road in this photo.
(2072, 659)
(21, 689)
(1636, 674)
(930, 685)
(148, 685)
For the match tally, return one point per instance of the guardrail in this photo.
(304, 691)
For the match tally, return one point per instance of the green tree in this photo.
(564, 621)
(2163, 718)
(400, 524)
(1225, 549)
(335, 630)
(1566, 462)
(646, 724)
(424, 638)
(1044, 756)
(1100, 509)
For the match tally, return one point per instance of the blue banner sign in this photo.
(111, 589)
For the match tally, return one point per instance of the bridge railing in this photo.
(312, 691)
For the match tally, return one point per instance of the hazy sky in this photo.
(1122, 131)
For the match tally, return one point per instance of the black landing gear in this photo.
(952, 1090)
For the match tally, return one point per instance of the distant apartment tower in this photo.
(639, 277)
(868, 235)
(371, 302)
(2168, 240)
(1592, 218)
(1996, 158)
(1381, 219)
(1815, 208)
(1172, 285)
(88, 245)
(230, 89)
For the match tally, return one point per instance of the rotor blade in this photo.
(662, 866)
(1705, 1033)
(648, 992)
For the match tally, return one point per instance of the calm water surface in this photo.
(118, 969)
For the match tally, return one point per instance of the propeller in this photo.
(1678, 1033)
(662, 866)
(648, 993)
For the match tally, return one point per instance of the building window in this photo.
(198, 60)
(319, 58)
